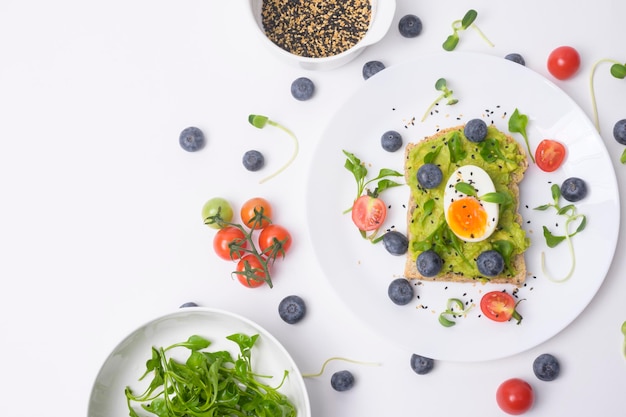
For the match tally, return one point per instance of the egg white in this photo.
(481, 181)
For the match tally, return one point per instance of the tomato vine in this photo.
(265, 258)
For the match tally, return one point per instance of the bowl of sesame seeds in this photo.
(321, 34)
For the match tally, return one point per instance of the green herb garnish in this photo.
(454, 309)
(260, 122)
(459, 25)
(624, 343)
(517, 124)
(493, 197)
(356, 167)
(617, 70)
(552, 240)
(441, 85)
(208, 383)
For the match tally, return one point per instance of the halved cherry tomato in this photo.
(274, 240)
(499, 306)
(250, 272)
(229, 243)
(368, 213)
(549, 155)
(563, 62)
(256, 213)
(515, 396)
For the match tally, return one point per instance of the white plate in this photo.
(490, 88)
(127, 362)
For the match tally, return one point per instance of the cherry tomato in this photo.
(212, 208)
(515, 396)
(274, 240)
(256, 213)
(499, 306)
(250, 272)
(227, 240)
(368, 213)
(563, 62)
(549, 155)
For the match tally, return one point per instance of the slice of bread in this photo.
(418, 229)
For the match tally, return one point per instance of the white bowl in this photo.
(382, 15)
(127, 362)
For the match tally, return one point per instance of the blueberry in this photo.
(546, 367)
(342, 380)
(490, 263)
(410, 26)
(302, 89)
(619, 131)
(475, 130)
(421, 364)
(429, 263)
(573, 189)
(188, 304)
(253, 160)
(391, 141)
(191, 139)
(400, 291)
(292, 309)
(395, 242)
(429, 175)
(517, 58)
(372, 67)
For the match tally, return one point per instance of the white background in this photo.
(100, 226)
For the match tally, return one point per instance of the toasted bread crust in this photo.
(518, 261)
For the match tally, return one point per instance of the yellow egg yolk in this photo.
(467, 218)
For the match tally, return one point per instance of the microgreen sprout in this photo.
(493, 197)
(463, 24)
(358, 169)
(517, 124)
(454, 309)
(260, 122)
(441, 85)
(552, 240)
(337, 358)
(617, 70)
(207, 383)
(246, 245)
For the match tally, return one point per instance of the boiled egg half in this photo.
(471, 219)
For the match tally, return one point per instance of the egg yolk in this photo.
(467, 218)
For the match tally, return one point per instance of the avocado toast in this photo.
(505, 162)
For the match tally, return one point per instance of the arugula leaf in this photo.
(455, 146)
(517, 124)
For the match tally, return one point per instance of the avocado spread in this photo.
(502, 158)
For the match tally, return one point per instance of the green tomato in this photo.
(213, 207)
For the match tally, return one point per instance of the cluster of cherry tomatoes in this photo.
(254, 244)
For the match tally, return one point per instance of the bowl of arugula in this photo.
(199, 360)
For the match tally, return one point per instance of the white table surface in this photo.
(100, 228)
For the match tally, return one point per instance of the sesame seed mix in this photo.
(317, 28)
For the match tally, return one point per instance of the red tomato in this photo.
(250, 272)
(227, 241)
(499, 306)
(549, 155)
(368, 213)
(515, 396)
(256, 213)
(274, 240)
(563, 62)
